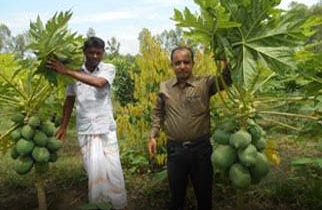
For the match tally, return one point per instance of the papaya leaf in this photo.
(104, 206)
(55, 40)
(88, 206)
(256, 31)
(302, 161)
(159, 177)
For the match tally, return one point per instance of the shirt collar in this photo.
(84, 69)
(190, 81)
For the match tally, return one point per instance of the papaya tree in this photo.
(30, 95)
(259, 43)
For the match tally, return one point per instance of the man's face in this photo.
(93, 55)
(182, 64)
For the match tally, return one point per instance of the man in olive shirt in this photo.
(183, 110)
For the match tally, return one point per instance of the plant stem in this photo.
(220, 94)
(9, 131)
(240, 200)
(35, 88)
(263, 82)
(268, 99)
(6, 101)
(13, 86)
(3, 97)
(288, 114)
(282, 124)
(41, 194)
(230, 94)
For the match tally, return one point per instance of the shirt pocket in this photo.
(85, 92)
(101, 93)
(195, 104)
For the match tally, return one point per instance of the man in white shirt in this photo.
(96, 126)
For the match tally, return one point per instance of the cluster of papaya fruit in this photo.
(34, 144)
(239, 152)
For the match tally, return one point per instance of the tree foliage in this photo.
(123, 87)
(55, 40)
(24, 92)
(13, 44)
(5, 39)
(248, 34)
(113, 48)
(134, 119)
(263, 45)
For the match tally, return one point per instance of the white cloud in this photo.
(166, 3)
(100, 17)
(20, 21)
(152, 14)
(285, 3)
(129, 45)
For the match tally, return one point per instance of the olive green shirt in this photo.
(184, 112)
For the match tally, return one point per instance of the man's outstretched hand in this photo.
(56, 65)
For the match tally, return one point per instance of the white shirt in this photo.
(94, 114)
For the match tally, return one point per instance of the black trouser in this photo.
(192, 161)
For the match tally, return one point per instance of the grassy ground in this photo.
(66, 185)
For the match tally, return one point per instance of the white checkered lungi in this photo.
(102, 163)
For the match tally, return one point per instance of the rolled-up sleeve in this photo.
(107, 72)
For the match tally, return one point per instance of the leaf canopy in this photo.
(250, 34)
(56, 41)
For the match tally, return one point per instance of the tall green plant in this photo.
(29, 88)
(258, 40)
(55, 40)
(123, 87)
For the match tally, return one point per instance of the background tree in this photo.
(307, 12)
(21, 41)
(123, 87)
(13, 44)
(6, 39)
(112, 48)
(173, 38)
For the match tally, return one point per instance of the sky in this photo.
(123, 19)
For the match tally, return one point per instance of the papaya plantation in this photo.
(265, 128)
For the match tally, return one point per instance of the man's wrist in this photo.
(68, 72)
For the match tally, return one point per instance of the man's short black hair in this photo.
(94, 42)
(182, 48)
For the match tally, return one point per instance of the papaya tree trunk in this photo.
(240, 200)
(41, 194)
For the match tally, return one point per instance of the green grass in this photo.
(66, 182)
(9, 178)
